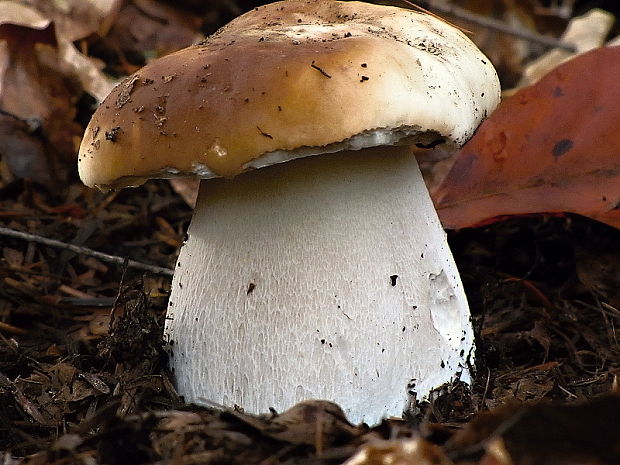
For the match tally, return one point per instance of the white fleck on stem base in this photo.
(327, 277)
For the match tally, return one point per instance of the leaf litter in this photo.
(83, 376)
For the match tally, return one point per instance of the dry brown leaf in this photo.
(31, 409)
(400, 452)
(87, 70)
(16, 13)
(311, 422)
(22, 91)
(76, 19)
(551, 147)
(37, 101)
(96, 382)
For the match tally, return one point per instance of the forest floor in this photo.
(83, 375)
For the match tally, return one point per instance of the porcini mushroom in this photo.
(327, 276)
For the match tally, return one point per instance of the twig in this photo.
(12, 329)
(486, 389)
(85, 251)
(490, 23)
(320, 70)
(118, 295)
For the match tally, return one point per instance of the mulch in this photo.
(83, 373)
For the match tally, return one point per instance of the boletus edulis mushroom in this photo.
(315, 266)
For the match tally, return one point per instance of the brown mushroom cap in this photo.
(287, 76)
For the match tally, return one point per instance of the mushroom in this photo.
(326, 276)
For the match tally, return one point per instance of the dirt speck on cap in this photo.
(125, 94)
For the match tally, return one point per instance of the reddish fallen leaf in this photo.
(551, 147)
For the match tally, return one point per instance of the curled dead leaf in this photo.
(76, 19)
(311, 422)
(37, 100)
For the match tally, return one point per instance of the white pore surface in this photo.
(326, 277)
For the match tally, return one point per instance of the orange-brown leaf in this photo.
(551, 147)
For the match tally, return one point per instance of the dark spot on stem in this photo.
(393, 279)
(251, 287)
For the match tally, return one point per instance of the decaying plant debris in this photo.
(83, 375)
(71, 389)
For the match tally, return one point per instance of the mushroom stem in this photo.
(327, 277)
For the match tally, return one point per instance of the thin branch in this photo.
(491, 23)
(85, 251)
(320, 70)
(11, 329)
